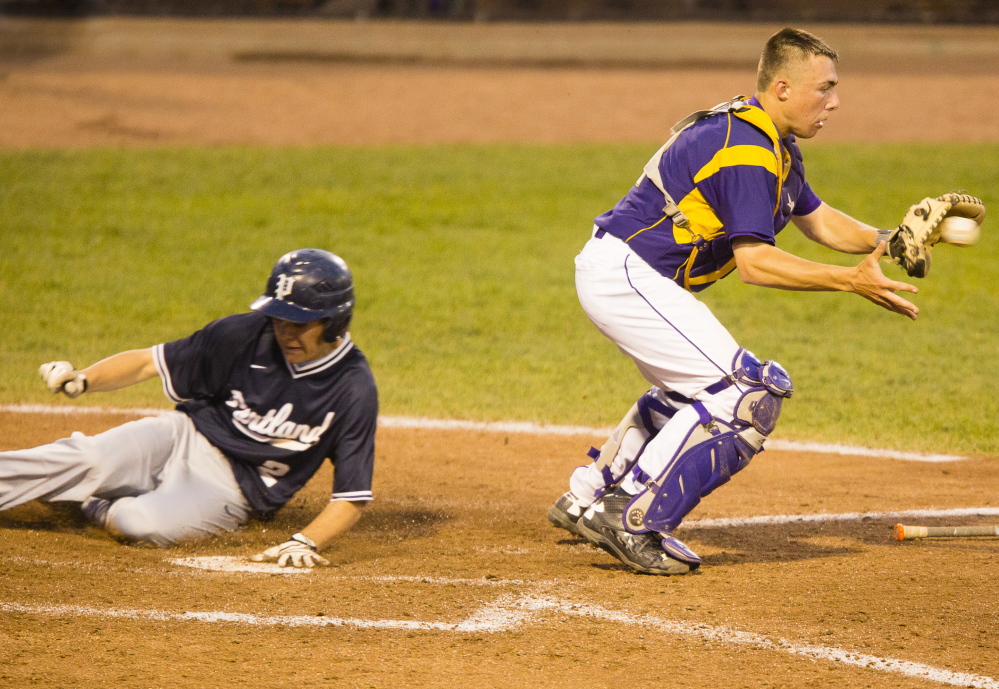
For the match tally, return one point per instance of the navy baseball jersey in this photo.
(276, 422)
(732, 175)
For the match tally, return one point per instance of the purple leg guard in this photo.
(709, 458)
(713, 449)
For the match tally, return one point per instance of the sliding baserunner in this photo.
(264, 397)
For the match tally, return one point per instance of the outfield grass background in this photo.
(462, 257)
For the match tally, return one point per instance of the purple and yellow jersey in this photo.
(731, 175)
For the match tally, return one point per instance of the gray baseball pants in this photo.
(165, 481)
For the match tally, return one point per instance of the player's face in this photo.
(811, 97)
(301, 342)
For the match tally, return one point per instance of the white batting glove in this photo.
(298, 551)
(61, 376)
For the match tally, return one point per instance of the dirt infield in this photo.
(144, 83)
(454, 579)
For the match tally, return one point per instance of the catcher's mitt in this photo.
(909, 244)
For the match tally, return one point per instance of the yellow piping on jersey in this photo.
(646, 228)
(708, 278)
(690, 265)
(681, 267)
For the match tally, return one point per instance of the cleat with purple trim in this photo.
(678, 550)
(603, 526)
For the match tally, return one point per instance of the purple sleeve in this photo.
(743, 197)
(808, 201)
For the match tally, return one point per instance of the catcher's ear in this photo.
(782, 88)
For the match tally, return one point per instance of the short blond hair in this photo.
(785, 47)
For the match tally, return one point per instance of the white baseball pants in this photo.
(167, 483)
(675, 341)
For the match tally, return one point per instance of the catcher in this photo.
(263, 398)
(712, 201)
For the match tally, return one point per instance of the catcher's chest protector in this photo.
(737, 107)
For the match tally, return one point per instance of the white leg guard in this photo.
(625, 445)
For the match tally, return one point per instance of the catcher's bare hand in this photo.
(293, 553)
(872, 284)
(62, 376)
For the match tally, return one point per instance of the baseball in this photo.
(959, 231)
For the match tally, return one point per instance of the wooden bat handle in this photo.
(907, 533)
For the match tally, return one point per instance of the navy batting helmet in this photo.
(310, 285)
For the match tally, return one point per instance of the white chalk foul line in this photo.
(500, 615)
(855, 451)
(842, 517)
(725, 635)
(508, 612)
(218, 617)
(514, 427)
(67, 410)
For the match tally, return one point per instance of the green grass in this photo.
(463, 261)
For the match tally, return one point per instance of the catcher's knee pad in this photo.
(624, 446)
(764, 387)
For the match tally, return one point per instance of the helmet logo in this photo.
(284, 285)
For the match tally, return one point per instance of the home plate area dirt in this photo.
(455, 579)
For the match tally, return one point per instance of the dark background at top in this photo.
(914, 11)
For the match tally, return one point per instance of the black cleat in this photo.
(565, 513)
(603, 526)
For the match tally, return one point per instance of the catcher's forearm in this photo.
(121, 370)
(764, 265)
(336, 518)
(837, 230)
